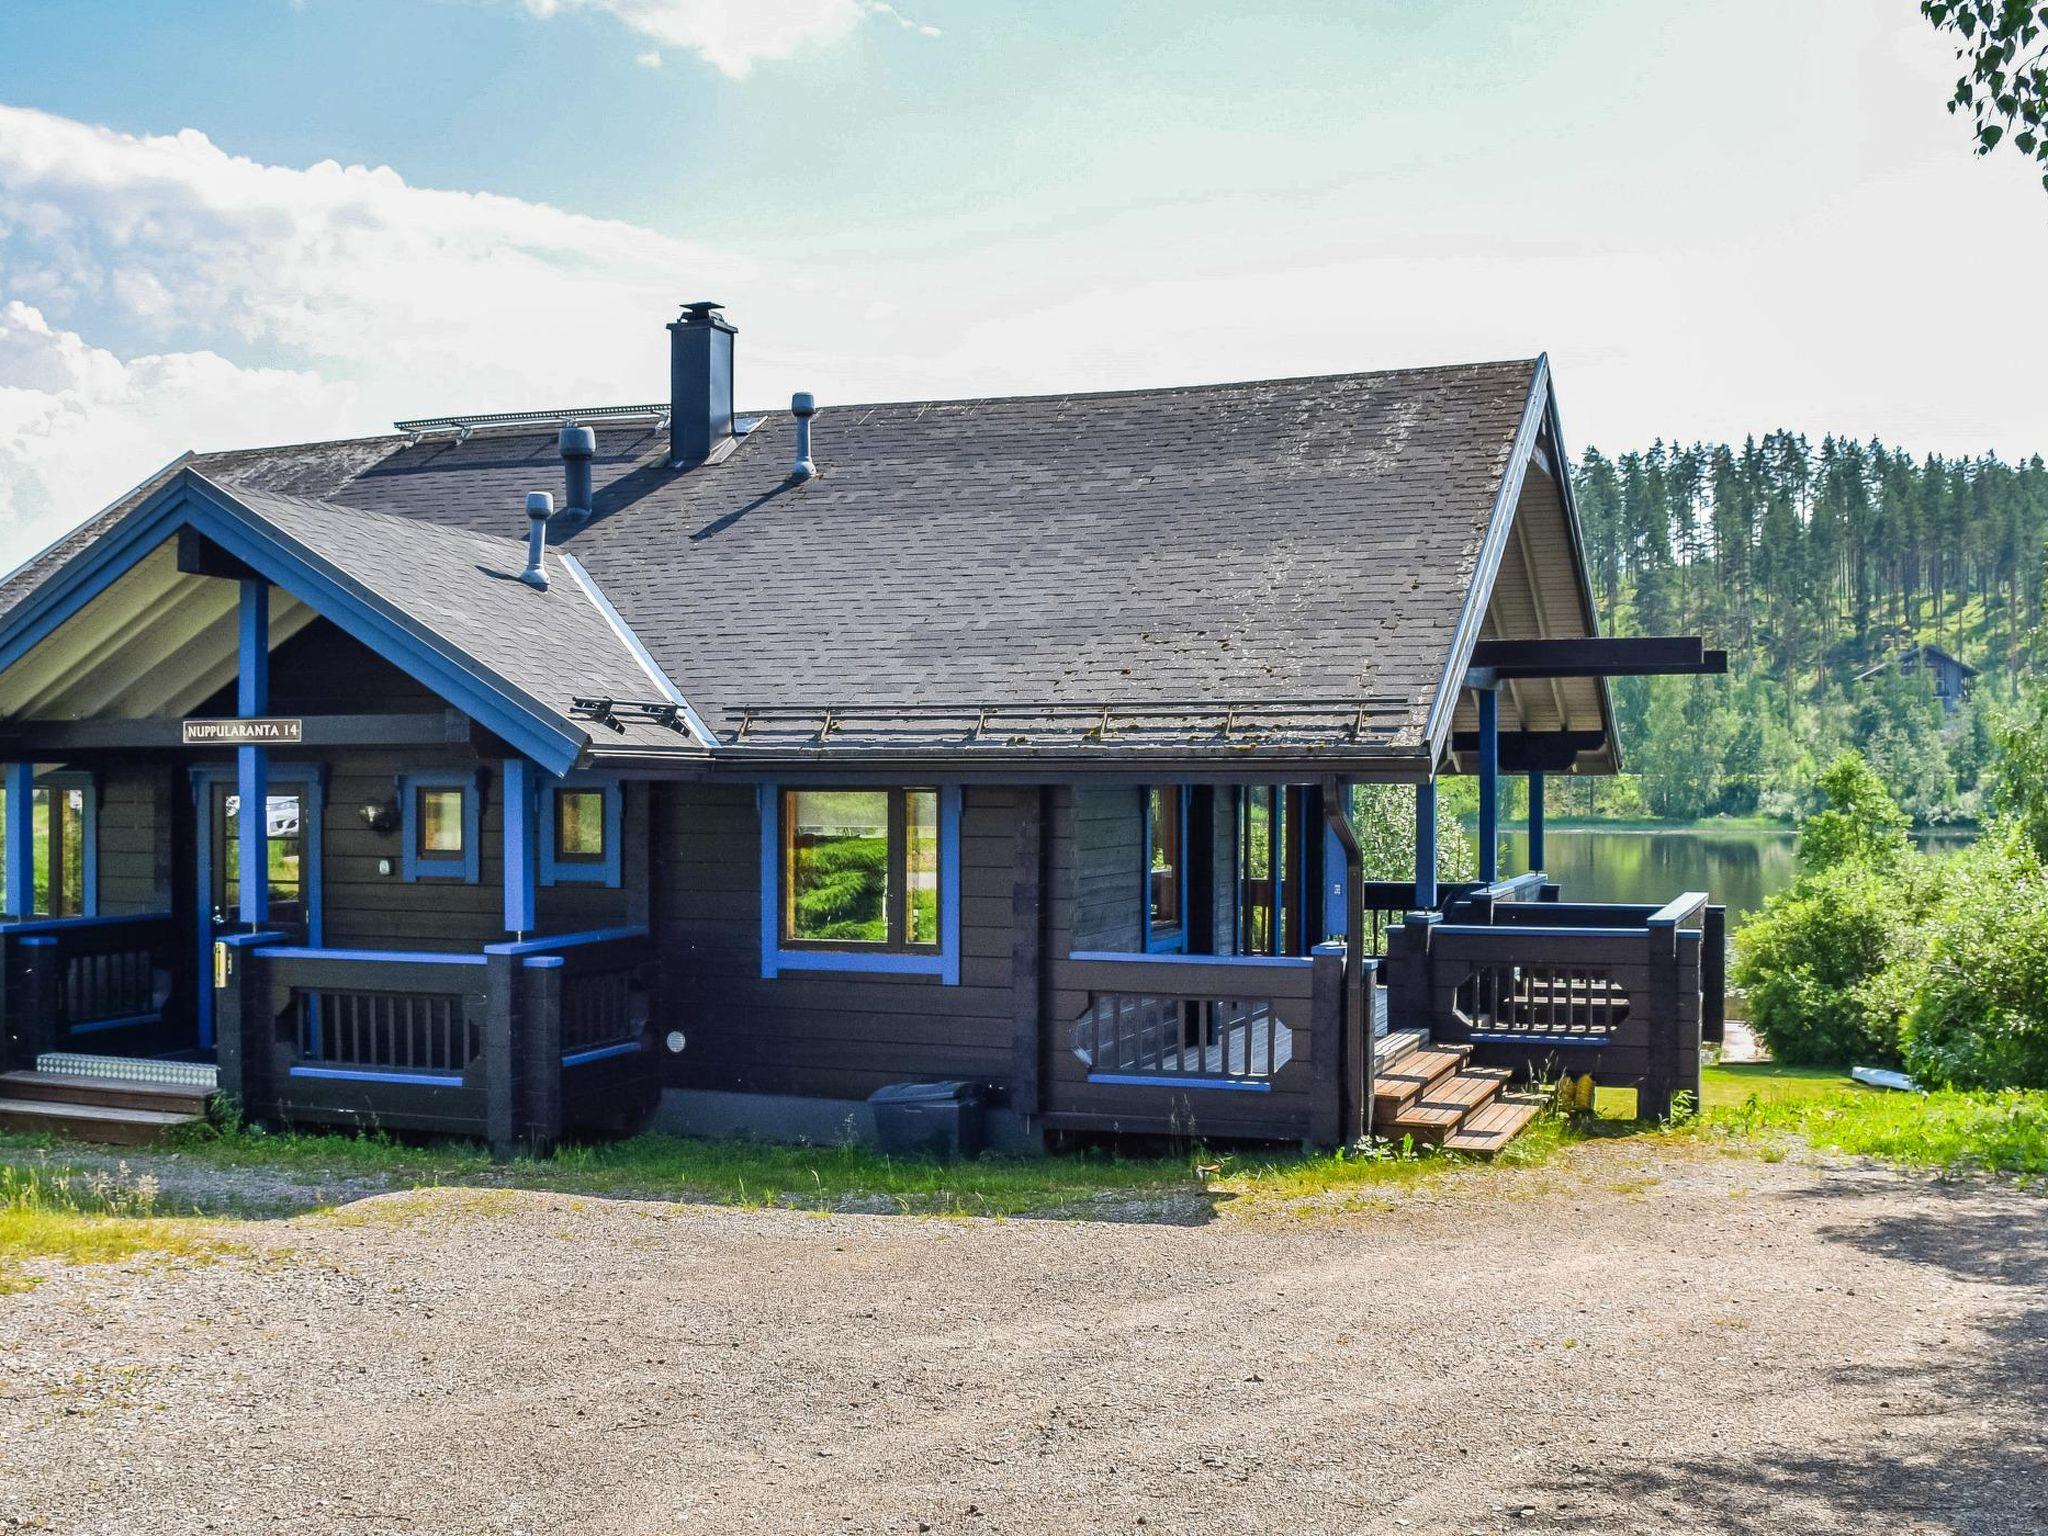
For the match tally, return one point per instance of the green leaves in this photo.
(2005, 78)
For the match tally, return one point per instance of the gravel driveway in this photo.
(1632, 1339)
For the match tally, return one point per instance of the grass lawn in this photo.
(1950, 1131)
(69, 1213)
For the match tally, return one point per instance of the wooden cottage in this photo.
(768, 760)
(1950, 677)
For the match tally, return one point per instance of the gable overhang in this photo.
(190, 500)
(1538, 425)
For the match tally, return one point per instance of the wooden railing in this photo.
(1199, 1045)
(1548, 988)
(478, 1044)
(78, 983)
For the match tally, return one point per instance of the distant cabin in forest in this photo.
(1952, 677)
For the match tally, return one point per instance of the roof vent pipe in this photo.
(579, 447)
(540, 506)
(803, 407)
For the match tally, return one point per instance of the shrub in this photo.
(1979, 1017)
(1816, 963)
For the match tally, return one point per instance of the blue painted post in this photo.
(1336, 914)
(520, 793)
(1489, 786)
(252, 764)
(20, 872)
(1425, 846)
(1536, 859)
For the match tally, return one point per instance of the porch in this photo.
(516, 1044)
(1451, 1009)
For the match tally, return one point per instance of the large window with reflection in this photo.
(860, 869)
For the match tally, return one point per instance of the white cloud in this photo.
(734, 35)
(267, 303)
(651, 59)
(78, 425)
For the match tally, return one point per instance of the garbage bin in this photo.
(928, 1119)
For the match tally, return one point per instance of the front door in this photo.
(290, 820)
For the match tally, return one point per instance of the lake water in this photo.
(1739, 868)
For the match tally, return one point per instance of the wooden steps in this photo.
(1428, 1094)
(1494, 1125)
(1401, 1084)
(96, 1108)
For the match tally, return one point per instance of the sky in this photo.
(235, 222)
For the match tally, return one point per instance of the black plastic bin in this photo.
(928, 1119)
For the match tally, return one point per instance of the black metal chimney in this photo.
(699, 383)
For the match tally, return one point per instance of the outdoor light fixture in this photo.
(379, 815)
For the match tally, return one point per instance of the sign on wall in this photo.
(255, 732)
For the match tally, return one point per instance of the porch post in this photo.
(520, 787)
(1489, 786)
(1425, 846)
(252, 763)
(21, 839)
(1536, 858)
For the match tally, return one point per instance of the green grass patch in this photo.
(79, 1217)
(839, 1178)
(1949, 1131)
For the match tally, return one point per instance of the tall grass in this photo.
(79, 1217)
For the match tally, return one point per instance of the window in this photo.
(441, 835)
(580, 823)
(860, 867)
(1165, 867)
(65, 855)
(440, 823)
(284, 850)
(579, 826)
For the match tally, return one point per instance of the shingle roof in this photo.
(1171, 553)
(555, 645)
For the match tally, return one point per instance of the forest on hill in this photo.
(1810, 566)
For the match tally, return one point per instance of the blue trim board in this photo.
(1134, 1080)
(521, 902)
(398, 956)
(417, 866)
(1489, 785)
(601, 1053)
(95, 1026)
(1248, 962)
(66, 924)
(1425, 845)
(548, 944)
(555, 870)
(189, 499)
(945, 964)
(350, 1075)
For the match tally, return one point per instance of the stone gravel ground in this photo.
(1639, 1336)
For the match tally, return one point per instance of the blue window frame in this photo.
(441, 817)
(580, 826)
(890, 957)
(1163, 877)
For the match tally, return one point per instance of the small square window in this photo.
(440, 823)
(579, 826)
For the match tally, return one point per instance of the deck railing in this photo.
(84, 983)
(1197, 1045)
(1623, 993)
(508, 1044)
